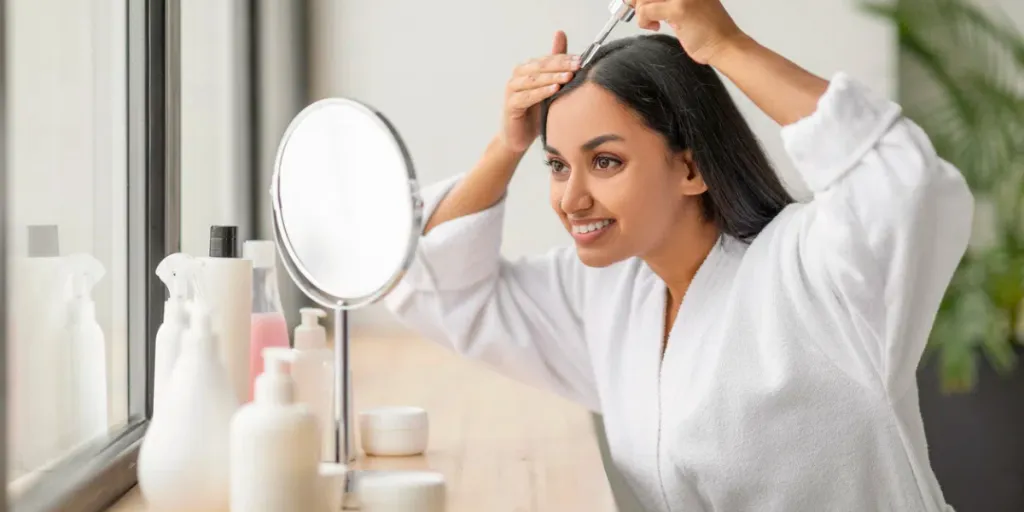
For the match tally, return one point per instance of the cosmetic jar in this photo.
(393, 431)
(401, 491)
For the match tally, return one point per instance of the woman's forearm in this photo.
(784, 91)
(481, 188)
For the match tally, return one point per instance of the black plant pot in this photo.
(976, 439)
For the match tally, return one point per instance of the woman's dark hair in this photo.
(688, 104)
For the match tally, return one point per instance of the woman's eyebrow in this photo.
(590, 145)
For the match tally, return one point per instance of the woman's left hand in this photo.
(703, 27)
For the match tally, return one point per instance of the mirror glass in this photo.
(347, 210)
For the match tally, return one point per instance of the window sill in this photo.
(89, 480)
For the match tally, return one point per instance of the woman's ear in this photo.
(692, 183)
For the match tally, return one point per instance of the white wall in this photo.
(438, 72)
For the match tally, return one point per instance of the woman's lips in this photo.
(585, 233)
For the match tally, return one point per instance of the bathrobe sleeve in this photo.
(884, 232)
(520, 317)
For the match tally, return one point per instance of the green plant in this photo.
(965, 68)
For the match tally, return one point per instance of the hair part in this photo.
(688, 104)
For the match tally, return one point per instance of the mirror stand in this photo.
(344, 438)
(344, 433)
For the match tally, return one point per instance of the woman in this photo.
(747, 353)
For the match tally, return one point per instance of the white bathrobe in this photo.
(788, 382)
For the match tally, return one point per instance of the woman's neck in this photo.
(682, 253)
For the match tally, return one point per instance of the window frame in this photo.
(3, 254)
(97, 475)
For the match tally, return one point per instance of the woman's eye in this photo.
(556, 166)
(606, 162)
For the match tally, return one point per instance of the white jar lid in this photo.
(394, 418)
(420, 491)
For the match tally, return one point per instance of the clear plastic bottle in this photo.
(268, 328)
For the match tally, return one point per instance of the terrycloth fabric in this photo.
(788, 381)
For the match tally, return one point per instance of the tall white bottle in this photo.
(313, 372)
(178, 272)
(88, 352)
(226, 282)
(38, 301)
(184, 462)
(275, 448)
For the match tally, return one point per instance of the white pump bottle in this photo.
(88, 351)
(313, 374)
(178, 271)
(275, 448)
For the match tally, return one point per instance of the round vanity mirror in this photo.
(347, 217)
(346, 207)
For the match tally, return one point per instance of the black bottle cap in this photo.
(43, 242)
(224, 242)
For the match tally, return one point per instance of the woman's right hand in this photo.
(532, 83)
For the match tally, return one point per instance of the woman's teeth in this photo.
(594, 226)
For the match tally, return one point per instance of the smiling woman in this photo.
(729, 336)
(640, 126)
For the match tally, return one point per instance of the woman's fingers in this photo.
(543, 72)
(522, 100)
(650, 13)
(549, 64)
(527, 82)
(561, 44)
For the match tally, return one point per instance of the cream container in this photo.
(332, 485)
(401, 491)
(394, 431)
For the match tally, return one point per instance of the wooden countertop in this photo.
(502, 446)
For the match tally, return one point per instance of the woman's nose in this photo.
(576, 197)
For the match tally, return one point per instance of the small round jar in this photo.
(401, 491)
(393, 431)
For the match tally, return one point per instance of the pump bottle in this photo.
(313, 371)
(275, 447)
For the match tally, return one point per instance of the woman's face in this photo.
(615, 184)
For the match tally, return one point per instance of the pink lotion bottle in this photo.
(269, 328)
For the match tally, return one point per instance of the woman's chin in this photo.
(597, 258)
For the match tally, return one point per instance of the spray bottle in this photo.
(88, 350)
(178, 272)
(184, 460)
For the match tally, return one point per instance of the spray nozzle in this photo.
(84, 272)
(178, 271)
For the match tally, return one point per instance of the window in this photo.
(67, 221)
(89, 208)
(102, 103)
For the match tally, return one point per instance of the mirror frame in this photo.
(292, 263)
